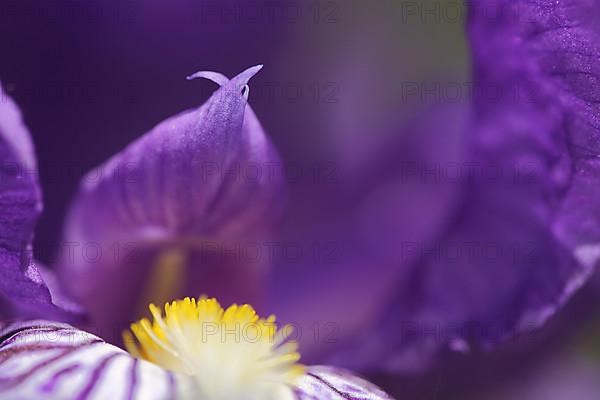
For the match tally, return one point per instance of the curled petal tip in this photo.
(222, 80)
(215, 77)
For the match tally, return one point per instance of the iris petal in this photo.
(563, 40)
(540, 214)
(23, 292)
(177, 188)
(40, 359)
(328, 383)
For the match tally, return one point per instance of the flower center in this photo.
(230, 354)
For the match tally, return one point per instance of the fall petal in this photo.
(41, 359)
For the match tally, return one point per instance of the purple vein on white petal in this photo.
(96, 376)
(330, 386)
(37, 348)
(50, 385)
(133, 379)
(16, 335)
(332, 383)
(13, 335)
(171, 382)
(13, 381)
(8, 354)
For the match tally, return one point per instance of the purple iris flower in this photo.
(185, 352)
(541, 134)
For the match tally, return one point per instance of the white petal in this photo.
(328, 383)
(56, 361)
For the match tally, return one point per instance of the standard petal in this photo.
(170, 182)
(162, 199)
(41, 359)
(23, 292)
(328, 383)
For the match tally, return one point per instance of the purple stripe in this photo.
(330, 386)
(133, 379)
(13, 336)
(96, 375)
(7, 354)
(13, 330)
(16, 380)
(51, 383)
(171, 380)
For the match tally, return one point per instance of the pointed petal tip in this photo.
(244, 76)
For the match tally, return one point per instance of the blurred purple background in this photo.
(93, 75)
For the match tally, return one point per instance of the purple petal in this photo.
(563, 39)
(558, 45)
(40, 359)
(173, 192)
(553, 49)
(57, 292)
(544, 220)
(359, 235)
(328, 383)
(23, 292)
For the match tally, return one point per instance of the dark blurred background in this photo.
(91, 76)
